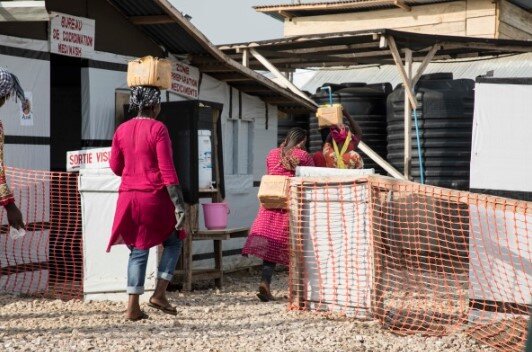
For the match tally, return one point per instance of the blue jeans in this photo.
(138, 260)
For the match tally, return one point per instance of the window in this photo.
(242, 147)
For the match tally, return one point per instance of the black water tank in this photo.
(445, 120)
(366, 103)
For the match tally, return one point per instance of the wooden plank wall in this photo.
(514, 22)
(474, 18)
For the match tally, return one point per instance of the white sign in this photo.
(185, 80)
(97, 158)
(71, 35)
(26, 110)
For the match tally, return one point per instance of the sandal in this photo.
(168, 309)
(140, 317)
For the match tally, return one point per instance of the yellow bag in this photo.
(273, 191)
(330, 115)
(149, 71)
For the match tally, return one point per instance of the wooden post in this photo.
(218, 256)
(245, 57)
(217, 197)
(408, 119)
(190, 226)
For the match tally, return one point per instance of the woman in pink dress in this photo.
(150, 209)
(268, 237)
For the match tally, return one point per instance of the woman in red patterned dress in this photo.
(268, 237)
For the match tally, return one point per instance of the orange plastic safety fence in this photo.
(420, 259)
(47, 261)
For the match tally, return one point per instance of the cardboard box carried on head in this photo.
(330, 114)
(149, 71)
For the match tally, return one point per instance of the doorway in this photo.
(65, 108)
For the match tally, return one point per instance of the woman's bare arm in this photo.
(355, 128)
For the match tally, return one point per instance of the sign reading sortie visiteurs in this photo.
(185, 80)
(97, 158)
(71, 35)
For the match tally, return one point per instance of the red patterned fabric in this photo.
(319, 159)
(352, 159)
(268, 237)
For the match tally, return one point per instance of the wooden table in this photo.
(187, 275)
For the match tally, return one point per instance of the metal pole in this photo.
(408, 119)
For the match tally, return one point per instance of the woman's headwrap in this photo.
(144, 97)
(10, 85)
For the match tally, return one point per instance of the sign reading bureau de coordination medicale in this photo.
(71, 35)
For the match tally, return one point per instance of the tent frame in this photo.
(383, 46)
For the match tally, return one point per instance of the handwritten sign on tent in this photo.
(185, 80)
(71, 35)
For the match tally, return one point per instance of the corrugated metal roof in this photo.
(172, 36)
(346, 49)
(169, 28)
(510, 66)
(282, 11)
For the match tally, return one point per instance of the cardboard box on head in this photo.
(330, 115)
(149, 71)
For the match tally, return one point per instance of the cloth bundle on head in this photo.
(9, 85)
(144, 97)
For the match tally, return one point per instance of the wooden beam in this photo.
(245, 57)
(23, 11)
(380, 161)
(276, 100)
(215, 68)
(402, 4)
(147, 20)
(232, 77)
(280, 76)
(234, 51)
(247, 88)
(487, 47)
(399, 63)
(430, 55)
(407, 117)
(285, 14)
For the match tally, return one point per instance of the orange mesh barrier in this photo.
(420, 259)
(47, 261)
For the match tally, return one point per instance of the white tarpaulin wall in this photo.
(246, 142)
(34, 76)
(336, 240)
(501, 159)
(499, 270)
(98, 87)
(501, 155)
(105, 274)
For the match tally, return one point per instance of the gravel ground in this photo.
(208, 320)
